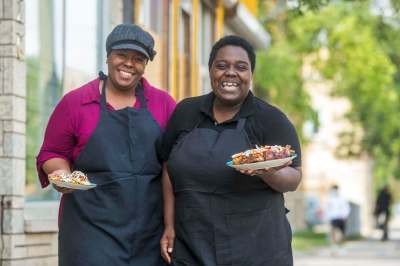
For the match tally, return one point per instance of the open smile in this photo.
(125, 74)
(230, 86)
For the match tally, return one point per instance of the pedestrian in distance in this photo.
(382, 211)
(337, 211)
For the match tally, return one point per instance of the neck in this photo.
(223, 112)
(120, 98)
(119, 91)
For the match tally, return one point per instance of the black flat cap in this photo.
(131, 37)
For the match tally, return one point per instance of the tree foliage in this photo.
(278, 76)
(278, 79)
(363, 65)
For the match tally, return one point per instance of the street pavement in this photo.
(366, 252)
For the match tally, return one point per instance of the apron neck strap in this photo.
(139, 92)
(103, 101)
(240, 128)
(241, 123)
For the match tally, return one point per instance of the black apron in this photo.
(223, 217)
(120, 221)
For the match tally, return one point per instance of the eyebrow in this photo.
(237, 62)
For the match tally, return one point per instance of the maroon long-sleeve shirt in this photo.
(77, 114)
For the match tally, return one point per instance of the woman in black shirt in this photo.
(215, 215)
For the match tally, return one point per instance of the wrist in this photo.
(168, 226)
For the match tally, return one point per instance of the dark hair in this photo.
(235, 41)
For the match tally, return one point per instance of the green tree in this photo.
(363, 65)
(278, 80)
(278, 71)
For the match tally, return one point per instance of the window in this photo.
(207, 22)
(62, 46)
(207, 33)
(151, 15)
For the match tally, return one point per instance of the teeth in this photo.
(125, 74)
(230, 84)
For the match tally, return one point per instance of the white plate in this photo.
(73, 186)
(261, 165)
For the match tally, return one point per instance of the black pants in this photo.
(382, 220)
(339, 224)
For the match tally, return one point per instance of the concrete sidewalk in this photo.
(358, 253)
(369, 252)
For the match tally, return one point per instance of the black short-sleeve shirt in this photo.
(265, 124)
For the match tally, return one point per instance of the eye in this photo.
(140, 59)
(121, 54)
(242, 67)
(220, 66)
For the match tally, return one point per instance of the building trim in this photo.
(219, 20)
(246, 25)
(194, 48)
(136, 10)
(128, 11)
(174, 53)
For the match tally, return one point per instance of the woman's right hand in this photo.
(63, 190)
(167, 244)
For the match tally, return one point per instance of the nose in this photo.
(129, 62)
(230, 72)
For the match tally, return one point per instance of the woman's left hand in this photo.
(167, 244)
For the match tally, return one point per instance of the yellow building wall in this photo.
(194, 49)
(177, 64)
(251, 5)
(219, 20)
(153, 71)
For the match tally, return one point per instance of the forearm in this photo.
(56, 164)
(169, 198)
(283, 180)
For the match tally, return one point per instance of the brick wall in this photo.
(12, 126)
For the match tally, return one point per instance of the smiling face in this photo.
(125, 68)
(231, 75)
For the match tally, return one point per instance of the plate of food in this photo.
(262, 157)
(75, 180)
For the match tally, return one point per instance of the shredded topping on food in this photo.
(76, 177)
(262, 153)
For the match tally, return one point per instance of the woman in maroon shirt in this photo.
(108, 129)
